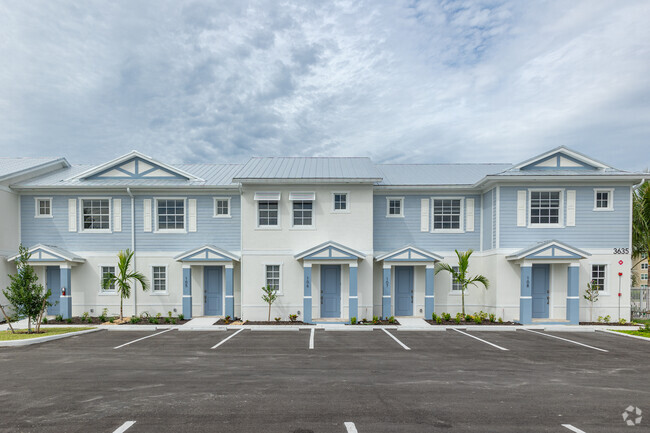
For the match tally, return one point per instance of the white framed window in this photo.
(394, 207)
(273, 276)
(43, 207)
(644, 277)
(222, 207)
(170, 215)
(159, 280)
(95, 215)
(456, 287)
(603, 199)
(599, 276)
(268, 213)
(644, 266)
(105, 272)
(303, 213)
(447, 215)
(546, 208)
(340, 202)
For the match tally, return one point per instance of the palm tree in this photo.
(460, 276)
(121, 281)
(641, 222)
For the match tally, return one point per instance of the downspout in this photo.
(135, 291)
(241, 251)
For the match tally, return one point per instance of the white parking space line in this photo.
(567, 340)
(349, 426)
(311, 339)
(572, 428)
(225, 339)
(124, 427)
(400, 343)
(143, 338)
(480, 339)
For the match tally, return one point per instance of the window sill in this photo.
(221, 216)
(603, 209)
(447, 231)
(100, 231)
(394, 216)
(43, 216)
(546, 226)
(171, 232)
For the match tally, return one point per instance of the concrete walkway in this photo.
(412, 322)
(200, 322)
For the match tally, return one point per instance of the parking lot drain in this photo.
(480, 339)
(124, 427)
(350, 426)
(567, 340)
(399, 342)
(226, 339)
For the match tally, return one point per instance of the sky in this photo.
(398, 81)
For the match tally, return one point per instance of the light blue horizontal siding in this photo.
(592, 229)
(392, 233)
(486, 224)
(221, 232)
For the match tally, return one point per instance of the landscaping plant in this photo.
(461, 276)
(122, 281)
(591, 295)
(391, 319)
(24, 294)
(434, 317)
(353, 321)
(269, 296)
(293, 317)
(446, 317)
(277, 319)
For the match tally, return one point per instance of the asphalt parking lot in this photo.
(325, 381)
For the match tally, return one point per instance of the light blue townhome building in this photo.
(338, 237)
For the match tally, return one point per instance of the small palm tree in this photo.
(460, 276)
(121, 281)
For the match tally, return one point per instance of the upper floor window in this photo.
(170, 214)
(447, 214)
(303, 213)
(455, 285)
(340, 201)
(644, 266)
(644, 277)
(598, 276)
(159, 279)
(545, 207)
(221, 207)
(395, 206)
(107, 272)
(95, 214)
(267, 213)
(43, 208)
(603, 199)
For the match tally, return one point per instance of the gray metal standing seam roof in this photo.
(436, 174)
(11, 166)
(309, 168)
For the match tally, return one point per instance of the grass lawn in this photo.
(639, 333)
(21, 334)
(643, 321)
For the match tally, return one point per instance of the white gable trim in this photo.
(562, 149)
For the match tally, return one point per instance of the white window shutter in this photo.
(191, 214)
(424, 215)
(146, 212)
(117, 215)
(571, 208)
(469, 220)
(72, 215)
(521, 208)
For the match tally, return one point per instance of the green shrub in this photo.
(607, 318)
(277, 319)
(439, 320)
(500, 320)
(458, 318)
(111, 319)
(478, 319)
(600, 319)
(84, 316)
(59, 318)
(391, 319)
(89, 319)
(483, 315)
(468, 317)
(293, 317)
(622, 321)
(181, 317)
(134, 319)
(69, 320)
(44, 320)
(226, 319)
(169, 314)
(153, 320)
(446, 317)
(168, 320)
(493, 318)
(434, 317)
(647, 327)
(353, 320)
(159, 316)
(375, 320)
(173, 321)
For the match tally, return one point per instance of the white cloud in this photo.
(398, 81)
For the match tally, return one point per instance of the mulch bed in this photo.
(280, 323)
(608, 323)
(96, 321)
(464, 323)
(378, 323)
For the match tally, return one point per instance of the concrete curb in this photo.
(136, 327)
(202, 328)
(608, 331)
(47, 338)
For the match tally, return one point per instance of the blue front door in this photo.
(53, 282)
(330, 291)
(212, 291)
(540, 291)
(404, 290)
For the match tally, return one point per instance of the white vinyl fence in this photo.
(640, 302)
